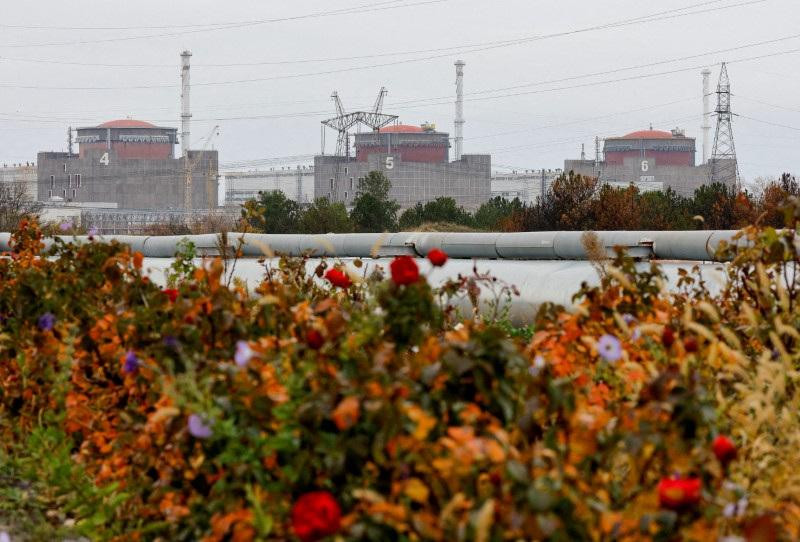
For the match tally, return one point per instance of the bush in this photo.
(373, 411)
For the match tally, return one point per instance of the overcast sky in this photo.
(529, 102)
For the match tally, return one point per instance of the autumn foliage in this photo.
(367, 408)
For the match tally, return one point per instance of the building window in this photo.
(50, 194)
(345, 195)
(52, 181)
(65, 168)
(65, 193)
(351, 183)
(78, 179)
(331, 184)
(346, 170)
(69, 180)
(74, 193)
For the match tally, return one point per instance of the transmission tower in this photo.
(343, 121)
(724, 167)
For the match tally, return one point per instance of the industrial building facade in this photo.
(131, 164)
(650, 160)
(416, 162)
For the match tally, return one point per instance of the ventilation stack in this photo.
(186, 109)
(706, 127)
(459, 132)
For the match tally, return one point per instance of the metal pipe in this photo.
(537, 282)
(558, 245)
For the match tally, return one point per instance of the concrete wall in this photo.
(684, 180)
(241, 186)
(468, 181)
(130, 183)
(21, 175)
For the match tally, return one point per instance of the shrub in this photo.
(376, 412)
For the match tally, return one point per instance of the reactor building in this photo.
(648, 159)
(415, 159)
(130, 164)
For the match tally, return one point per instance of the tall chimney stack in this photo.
(706, 126)
(186, 107)
(459, 135)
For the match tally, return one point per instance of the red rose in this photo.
(171, 293)
(677, 494)
(724, 449)
(668, 337)
(314, 339)
(437, 257)
(339, 278)
(316, 515)
(404, 270)
(690, 344)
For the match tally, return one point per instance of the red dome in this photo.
(649, 134)
(401, 129)
(127, 123)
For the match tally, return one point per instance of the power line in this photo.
(784, 108)
(524, 85)
(795, 128)
(183, 26)
(381, 6)
(659, 16)
(360, 57)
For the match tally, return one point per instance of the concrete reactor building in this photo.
(416, 159)
(649, 159)
(131, 164)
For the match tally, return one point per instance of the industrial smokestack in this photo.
(186, 107)
(459, 135)
(706, 113)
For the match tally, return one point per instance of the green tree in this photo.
(325, 217)
(665, 210)
(715, 203)
(373, 210)
(440, 210)
(272, 212)
(492, 214)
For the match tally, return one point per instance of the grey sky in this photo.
(525, 128)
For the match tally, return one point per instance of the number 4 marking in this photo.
(104, 159)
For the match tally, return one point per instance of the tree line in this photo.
(572, 202)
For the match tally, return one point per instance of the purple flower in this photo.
(47, 321)
(609, 348)
(131, 362)
(199, 427)
(4, 537)
(171, 342)
(243, 353)
(538, 365)
(65, 226)
(92, 231)
(628, 318)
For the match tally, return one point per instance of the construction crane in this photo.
(189, 164)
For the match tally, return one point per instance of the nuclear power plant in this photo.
(128, 172)
(415, 159)
(660, 160)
